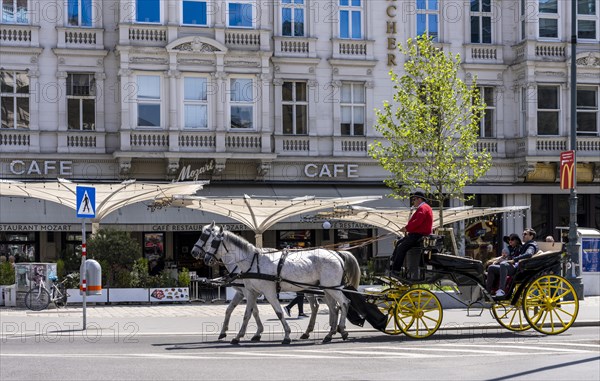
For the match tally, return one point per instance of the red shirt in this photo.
(421, 221)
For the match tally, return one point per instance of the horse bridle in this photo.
(214, 245)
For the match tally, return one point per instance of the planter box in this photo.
(76, 297)
(128, 295)
(170, 294)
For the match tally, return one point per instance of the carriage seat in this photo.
(455, 262)
(540, 260)
(433, 243)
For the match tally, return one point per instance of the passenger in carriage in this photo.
(493, 270)
(419, 225)
(509, 267)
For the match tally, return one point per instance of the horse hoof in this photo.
(326, 339)
(345, 336)
(304, 336)
(286, 341)
(221, 336)
(255, 338)
(235, 341)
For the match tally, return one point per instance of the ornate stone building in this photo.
(280, 95)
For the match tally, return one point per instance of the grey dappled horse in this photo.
(326, 269)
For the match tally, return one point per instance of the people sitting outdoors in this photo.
(509, 266)
(419, 225)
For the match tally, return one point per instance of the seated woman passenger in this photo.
(514, 244)
(509, 267)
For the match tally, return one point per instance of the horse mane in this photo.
(240, 242)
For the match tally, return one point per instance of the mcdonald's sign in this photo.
(567, 169)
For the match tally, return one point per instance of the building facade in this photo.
(279, 96)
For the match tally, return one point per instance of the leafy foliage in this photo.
(7, 273)
(117, 252)
(184, 278)
(430, 131)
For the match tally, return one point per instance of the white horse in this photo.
(327, 270)
(237, 299)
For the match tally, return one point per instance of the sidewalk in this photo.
(206, 319)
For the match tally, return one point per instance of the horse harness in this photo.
(218, 240)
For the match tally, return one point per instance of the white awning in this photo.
(259, 213)
(394, 219)
(109, 196)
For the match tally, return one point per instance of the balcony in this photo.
(351, 146)
(540, 51)
(303, 47)
(197, 141)
(143, 35)
(26, 36)
(81, 142)
(352, 49)
(18, 141)
(292, 145)
(80, 38)
(551, 147)
(147, 140)
(243, 142)
(483, 53)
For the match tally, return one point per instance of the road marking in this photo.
(527, 347)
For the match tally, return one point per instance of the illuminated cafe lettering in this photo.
(390, 12)
(330, 170)
(21, 167)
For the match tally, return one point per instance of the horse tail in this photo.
(351, 269)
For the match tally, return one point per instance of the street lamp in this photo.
(574, 275)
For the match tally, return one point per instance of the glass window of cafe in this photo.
(351, 238)
(295, 239)
(21, 245)
(483, 236)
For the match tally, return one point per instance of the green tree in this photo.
(116, 249)
(430, 129)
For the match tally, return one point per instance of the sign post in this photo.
(86, 208)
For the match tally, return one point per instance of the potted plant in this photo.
(120, 258)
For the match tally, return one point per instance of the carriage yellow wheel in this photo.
(419, 313)
(550, 304)
(386, 302)
(510, 316)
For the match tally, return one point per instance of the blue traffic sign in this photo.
(86, 202)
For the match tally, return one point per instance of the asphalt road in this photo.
(123, 353)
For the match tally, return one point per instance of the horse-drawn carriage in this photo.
(537, 296)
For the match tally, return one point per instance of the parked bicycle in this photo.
(39, 297)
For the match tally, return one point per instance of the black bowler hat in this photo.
(420, 195)
(508, 238)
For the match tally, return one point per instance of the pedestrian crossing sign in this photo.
(86, 202)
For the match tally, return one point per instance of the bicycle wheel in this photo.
(59, 296)
(37, 299)
(550, 304)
